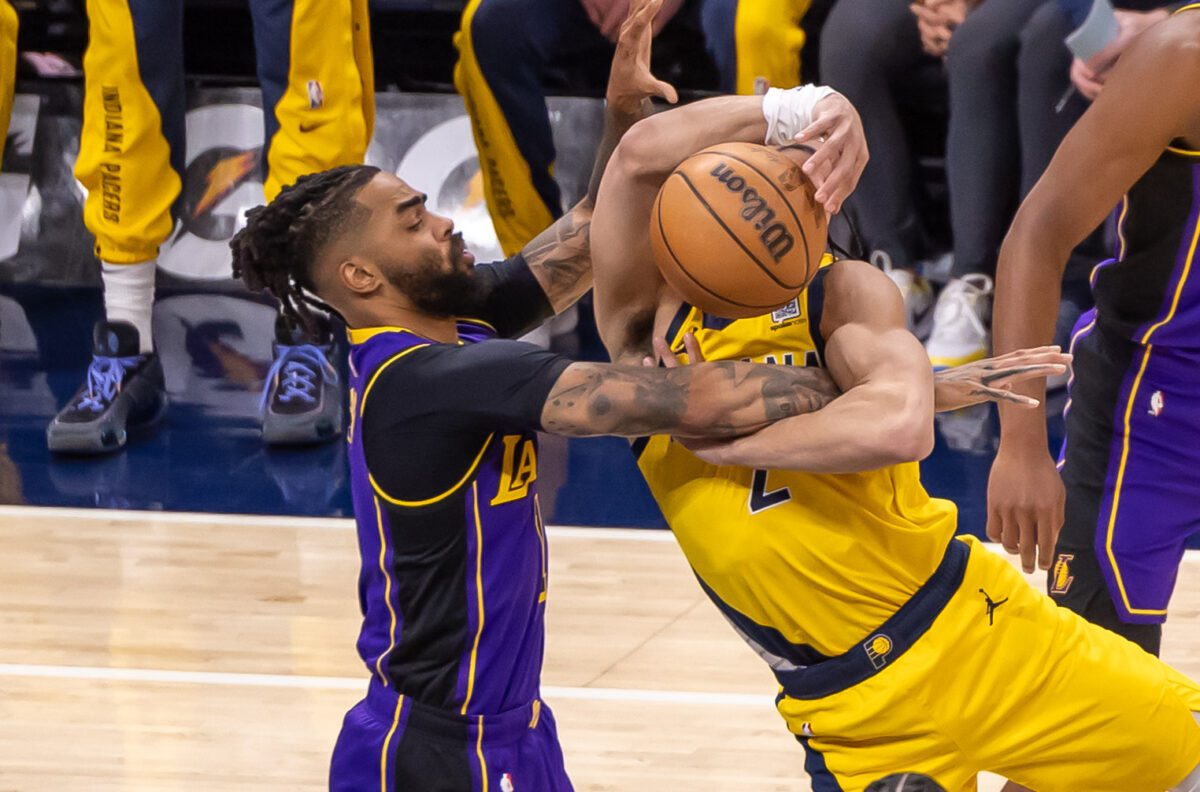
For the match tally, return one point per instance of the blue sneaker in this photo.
(124, 391)
(302, 400)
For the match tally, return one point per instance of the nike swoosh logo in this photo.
(309, 127)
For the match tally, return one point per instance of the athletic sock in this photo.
(129, 297)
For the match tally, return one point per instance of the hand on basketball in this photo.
(1026, 501)
(992, 379)
(630, 82)
(840, 145)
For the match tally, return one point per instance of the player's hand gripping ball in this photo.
(737, 230)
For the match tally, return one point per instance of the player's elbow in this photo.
(640, 152)
(905, 433)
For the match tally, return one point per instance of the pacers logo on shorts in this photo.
(878, 647)
(1061, 577)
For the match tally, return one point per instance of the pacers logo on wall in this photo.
(221, 182)
(1061, 577)
(878, 648)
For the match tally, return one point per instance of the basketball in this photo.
(737, 231)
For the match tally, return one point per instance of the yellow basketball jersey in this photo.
(804, 565)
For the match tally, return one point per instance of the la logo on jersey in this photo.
(1156, 404)
(878, 647)
(517, 471)
(1061, 577)
(506, 783)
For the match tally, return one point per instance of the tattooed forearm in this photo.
(561, 259)
(724, 399)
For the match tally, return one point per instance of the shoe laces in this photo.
(960, 303)
(299, 368)
(104, 378)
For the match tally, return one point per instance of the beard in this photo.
(438, 291)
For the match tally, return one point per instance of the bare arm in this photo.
(560, 257)
(709, 400)
(884, 416)
(1115, 142)
(628, 284)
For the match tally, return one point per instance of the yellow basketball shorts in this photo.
(979, 671)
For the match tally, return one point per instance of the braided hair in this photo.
(281, 241)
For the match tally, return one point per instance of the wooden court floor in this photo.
(160, 652)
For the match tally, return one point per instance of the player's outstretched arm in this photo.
(560, 257)
(885, 414)
(709, 400)
(1149, 99)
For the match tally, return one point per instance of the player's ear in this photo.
(359, 276)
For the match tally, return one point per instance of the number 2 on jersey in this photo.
(761, 498)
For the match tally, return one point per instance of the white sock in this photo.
(129, 297)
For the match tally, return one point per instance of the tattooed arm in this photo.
(708, 400)
(560, 257)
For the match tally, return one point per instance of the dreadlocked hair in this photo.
(281, 241)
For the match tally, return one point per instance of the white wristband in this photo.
(789, 111)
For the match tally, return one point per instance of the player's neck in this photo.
(399, 314)
(434, 328)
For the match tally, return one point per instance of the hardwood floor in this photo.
(148, 651)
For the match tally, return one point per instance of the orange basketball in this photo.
(737, 231)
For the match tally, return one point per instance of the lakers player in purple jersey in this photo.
(444, 453)
(1129, 493)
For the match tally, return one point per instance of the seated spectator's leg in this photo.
(317, 76)
(871, 53)
(315, 69)
(982, 170)
(131, 161)
(752, 39)
(504, 47)
(8, 66)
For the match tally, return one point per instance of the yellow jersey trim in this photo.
(1112, 518)
(479, 600)
(1189, 7)
(1183, 152)
(429, 501)
(362, 407)
(479, 753)
(480, 322)
(387, 596)
(383, 755)
(360, 335)
(1187, 268)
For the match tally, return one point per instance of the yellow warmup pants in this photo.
(315, 68)
(506, 47)
(8, 67)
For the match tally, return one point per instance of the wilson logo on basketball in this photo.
(774, 236)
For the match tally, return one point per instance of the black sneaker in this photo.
(124, 390)
(302, 400)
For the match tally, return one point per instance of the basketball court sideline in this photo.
(168, 651)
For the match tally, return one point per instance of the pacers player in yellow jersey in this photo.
(897, 647)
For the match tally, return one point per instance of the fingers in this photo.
(692, 347)
(1046, 538)
(818, 129)
(1027, 541)
(664, 354)
(1008, 397)
(666, 91)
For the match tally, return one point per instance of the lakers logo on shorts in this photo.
(878, 647)
(1061, 577)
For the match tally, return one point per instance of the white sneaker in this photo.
(918, 294)
(961, 323)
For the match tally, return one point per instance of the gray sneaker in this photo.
(124, 391)
(302, 400)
